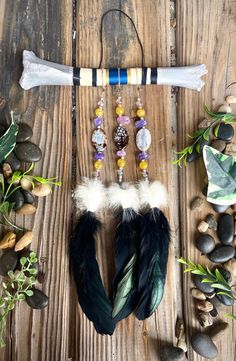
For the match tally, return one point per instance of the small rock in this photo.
(225, 229)
(3, 102)
(26, 183)
(204, 319)
(26, 210)
(218, 145)
(225, 300)
(199, 295)
(17, 198)
(204, 287)
(13, 161)
(6, 170)
(210, 295)
(8, 262)
(230, 149)
(216, 302)
(225, 132)
(8, 241)
(205, 243)
(222, 254)
(171, 353)
(28, 152)
(214, 312)
(195, 155)
(42, 190)
(230, 99)
(231, 267)
(28, 197)
(38, 301)
(196, 203)
(24, 133)
(224, 108)
(212, 222)
(41, 277)
(204, 306)
(205, 123)
(219, 208)
(203, 345)
(24, 241)
(180, 334)
(218, 330)
(203, 227)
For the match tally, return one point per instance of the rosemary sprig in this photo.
(215, 278)
(16, 288)
(204, 134)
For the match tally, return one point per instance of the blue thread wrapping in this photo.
(114, 78)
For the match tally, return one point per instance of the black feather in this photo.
(125, 261)
(91, 293)
(154, 245)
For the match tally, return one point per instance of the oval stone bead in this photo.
(120, 137)
(143, 139)
(99, 140)
(38, 301)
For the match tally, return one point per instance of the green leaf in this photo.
(209, 271)
(182, 260)
(4, 207)
(202, 269)
(198, 272)
(21, 297)
(2, 183)
(206, 134)
(230, 315)
(29, 169)
(228, 294)
(17, 175)
(23, 261)
(220, 287)
(198, 147)
(8, 141)
(206, 280)
(221, 278)
(216, 130)
(33, 271)
(29, 293)
(188, 270)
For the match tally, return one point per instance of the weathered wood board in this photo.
(61, 120)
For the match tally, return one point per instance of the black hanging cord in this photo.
(135, 29)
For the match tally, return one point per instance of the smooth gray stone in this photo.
(172, 353)
(203, 345)
(13, 161)
(205, 243)
(17, 198)
(28, 152)
(8, 262)
(225, 300)
(222, 254)
(24, 133)
(225, 229)
(204, 287)
(38, 301)
(28, 196)
(225, 132)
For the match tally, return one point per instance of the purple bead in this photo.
(123, 120)
(140, 123)
(98, 121)
(98, 156)
(121, 153)
(143, 156)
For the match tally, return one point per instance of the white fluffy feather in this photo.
(125, 197)
(152, 194)
(90, 195)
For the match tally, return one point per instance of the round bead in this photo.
(143, 164)
(141, 113)
(98, 121)
(99, 112)
(120, 110)
(123, 119)
(98, 156)
(98, 164)
(121, 153)
(121, 163)
(143, 156)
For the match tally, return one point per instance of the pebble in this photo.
(6, 170)
(199, 295)
(24, 241)
(205, 243)
(172, 353)
(203, 345)
(222, 254)
(8, 262)
(224, 108)
(218, 145)
(17, 198)
(225, 300)
(8, 241)
(204, 306)
(219, 208)
(26, 183)
(195, 155)
(214, 312)
(42, 190)
(231, 267)
(24, 133)
(231, 99)
(225, 229)
(212, 222)
(205, 123)
(230, 149)
(225, 132)
(218, 330)
(196, 203)
(26, 210)
(13, 161)
(28, 197)
(204, 287)
(204, 319)
(38, 301)
(203, 227)
(216, 302)
(28, 152)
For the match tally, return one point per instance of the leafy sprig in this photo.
(18, 285)
(202, 135)
(214, 278)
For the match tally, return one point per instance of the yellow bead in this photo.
(98, 164)
(99, 112)
(141, 113)
(143, 165)
(121, 163)
(120, 110)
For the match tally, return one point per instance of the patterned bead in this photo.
(120, 110)
(98, 121)
(121, 163)
(99, 112)
(99, 140)
(98, 164)
(143, 156)
(140, 123)
(123, 119)
(99, 156)
(141, 113)
(143, 164)
(121, 137)
(121, 153)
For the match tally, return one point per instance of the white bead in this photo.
(143, 139)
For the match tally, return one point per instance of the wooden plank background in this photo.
(61, 120)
